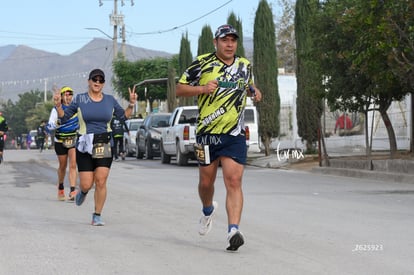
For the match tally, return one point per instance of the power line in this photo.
(28, 82)
(183, 25)
(38, 36)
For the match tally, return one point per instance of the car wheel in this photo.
(182, 159)
(148, 150)
(164, 157)
(126, 148)
(139, 155)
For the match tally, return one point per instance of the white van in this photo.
(251, 119)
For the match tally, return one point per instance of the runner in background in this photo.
(118, 127)
(65, 141)
(3, 129)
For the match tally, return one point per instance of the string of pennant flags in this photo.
(30, 82)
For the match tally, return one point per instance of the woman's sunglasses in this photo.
(98, 79)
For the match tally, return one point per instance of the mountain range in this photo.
(23, 68)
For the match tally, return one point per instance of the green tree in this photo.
(27, 112)
(397, 29)
(309, 82)
(266, 71)
(286, 44)
(237, 24)
(352, 54)
(127, 74)
(171, 95)
(38, 114)
(185, 57)
(205, 41)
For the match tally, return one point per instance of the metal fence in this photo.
(349, 141)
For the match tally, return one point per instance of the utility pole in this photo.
(123, 41)
(117, 20)
(45, 94)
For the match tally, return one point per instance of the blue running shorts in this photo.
(225, 146)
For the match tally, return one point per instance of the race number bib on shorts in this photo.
(101, 150)
(202, 153)
(69, 142)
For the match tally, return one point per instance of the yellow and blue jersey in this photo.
(62, 130)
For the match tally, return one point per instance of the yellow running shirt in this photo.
(222, 112)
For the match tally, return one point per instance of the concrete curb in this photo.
(367, 174)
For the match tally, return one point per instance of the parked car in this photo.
(251, 121)
(179, 137)
(130, 138)
(149, 135)
(33, 135)
(33, 144)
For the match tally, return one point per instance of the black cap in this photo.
(224, 30)
(96, 72)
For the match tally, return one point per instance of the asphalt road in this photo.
(295, 222)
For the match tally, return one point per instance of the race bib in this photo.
(202, 153)
(69, 142)
(101, 150)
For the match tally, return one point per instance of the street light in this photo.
(114, 42)
(101, 31)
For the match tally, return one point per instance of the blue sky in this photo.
(59, 26)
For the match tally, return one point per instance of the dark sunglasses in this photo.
(98, 79)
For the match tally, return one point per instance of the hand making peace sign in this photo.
(132, 95)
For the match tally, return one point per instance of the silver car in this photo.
(129, 138)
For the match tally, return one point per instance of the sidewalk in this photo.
(391, 170)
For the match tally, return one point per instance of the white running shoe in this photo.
(206, 222)
(235, 239)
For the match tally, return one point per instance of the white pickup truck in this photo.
(178, 139)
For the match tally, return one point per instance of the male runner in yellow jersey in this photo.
(221, 81)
